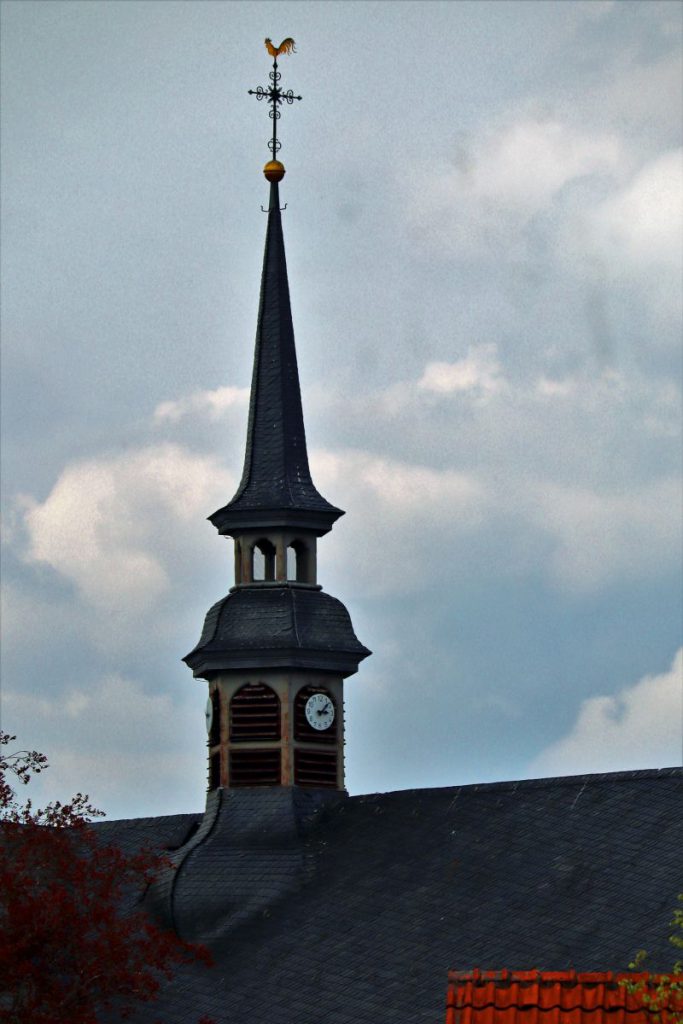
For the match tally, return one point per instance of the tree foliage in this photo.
(661, 995)
(67, 950)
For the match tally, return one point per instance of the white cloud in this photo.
(526, 165)
(599, 536)
(400, 514)
(575, 477)
(640, 96)
(570, 201)
(629, 243)
(643, 222)
(552, 387)
(383, 485)
(108, 523)
(212, 404)
(639, 727)
(125, 747)
(502, 179)
(478, 372)
(412, 524)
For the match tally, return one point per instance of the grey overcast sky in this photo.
(483, 233)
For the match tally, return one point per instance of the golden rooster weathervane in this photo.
(286, 46)
(274, 170)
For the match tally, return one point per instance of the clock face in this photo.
(208, 714)
(319, 711)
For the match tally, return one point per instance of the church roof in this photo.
(277, 625)
(353, 912)
(276, 487)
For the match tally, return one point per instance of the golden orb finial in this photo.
(274, 170)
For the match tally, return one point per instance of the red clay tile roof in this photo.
(542, 997)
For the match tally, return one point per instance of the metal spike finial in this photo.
(274, 94)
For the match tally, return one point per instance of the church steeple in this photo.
(276, 650)
(276, 487)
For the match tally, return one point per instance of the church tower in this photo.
(276, 650)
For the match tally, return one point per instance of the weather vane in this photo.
(274, 170)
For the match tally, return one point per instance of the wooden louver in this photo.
(255, 768)
(254, 714)
(315, 768)
(215, 770)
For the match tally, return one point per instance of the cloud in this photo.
(127, 748)
(21, 606)
(388, 484)
(399, 512)
(637, 91)
(564, 203)
(633, 241)
(528, 163)
(639, 727)
(599, 536)
(479, 372)
(643, 222)
(516, 468)
(574, 476)
(108, 523)
(501, 180)
(213, 404)
(593, 10)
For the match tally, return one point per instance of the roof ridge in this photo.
(156, 818)
(635, 774)
(557, 780)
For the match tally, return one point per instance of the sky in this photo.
(483, 234)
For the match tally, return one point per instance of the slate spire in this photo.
(276, 487)
(276, 649)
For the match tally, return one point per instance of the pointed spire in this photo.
(276, 487)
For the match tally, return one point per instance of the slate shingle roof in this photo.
(276, 486)
(388, 892)
(277, 625)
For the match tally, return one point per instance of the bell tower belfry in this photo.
(276, 650)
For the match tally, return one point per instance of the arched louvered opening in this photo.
(298, 562)
(315, 768)
(255, 768)
(303, 730)
(215, 730)
(254, 714)
(263, 561)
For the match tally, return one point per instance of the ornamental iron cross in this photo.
(273, 93)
